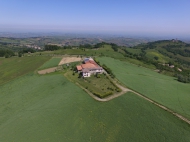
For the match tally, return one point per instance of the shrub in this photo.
(182, 78)
(108, 93)
(98, 75)
(4, 52)
(52, 47)
(19, 54)
(6, 55)
(97, 94)
(118, 90)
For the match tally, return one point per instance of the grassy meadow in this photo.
(11, 68)
(163, 89)
(53, 62)
(50, 108)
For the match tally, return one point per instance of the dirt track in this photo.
(47, 70)
(66, 60)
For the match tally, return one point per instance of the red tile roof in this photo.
(79, 67)
(88, 66)
(91, 62)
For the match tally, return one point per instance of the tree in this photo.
(156, 58)
(6, 55)
(19, 54)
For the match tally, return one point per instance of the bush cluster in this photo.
(108, 70)
(102, 95)
(182, 78)
(6, 53)
(52, 47)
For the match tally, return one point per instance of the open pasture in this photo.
(53, 62)
(50, 108)
(160, 88)
(11, 68)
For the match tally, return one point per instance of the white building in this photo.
(89, 67)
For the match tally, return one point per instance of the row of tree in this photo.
(108, 70)
(175, 51)
(183, 78)
(6, 53)
(49, 47)
(115, 47)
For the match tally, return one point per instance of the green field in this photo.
(53, 62)
(50, 108)
(11, 68)
(163, 89)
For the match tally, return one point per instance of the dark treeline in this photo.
(51, 47)
(6, 53)
(114, 47)
(183, 78)
(27, 50)
(89, 46)
(175, 51)
(108, 70)
(99, 45)
(85, 46)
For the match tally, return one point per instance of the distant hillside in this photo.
(38, 42)
(169, 56)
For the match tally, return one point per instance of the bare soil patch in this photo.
(47, 70)
(66, 60)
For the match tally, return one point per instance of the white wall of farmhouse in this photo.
(94, 71)
(86, 74)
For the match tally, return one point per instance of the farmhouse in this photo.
(89, 67)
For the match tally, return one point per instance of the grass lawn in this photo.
(11, 68)
(163, 89)
(100, 87)
(50, 108)
(53, 62)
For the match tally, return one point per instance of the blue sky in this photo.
(149, 17)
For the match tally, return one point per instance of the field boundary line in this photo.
(163, 107)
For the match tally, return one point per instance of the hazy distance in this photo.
(122, 17)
